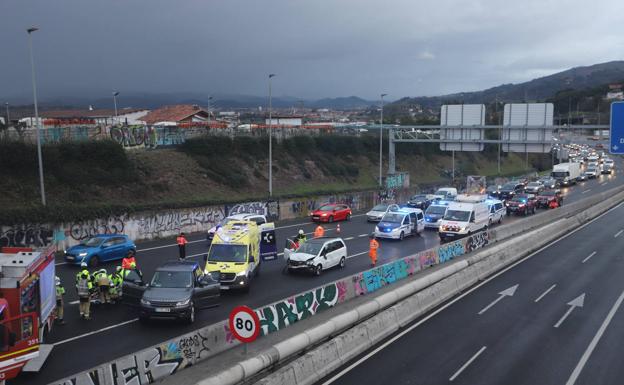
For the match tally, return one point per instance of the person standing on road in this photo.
(372, 253)
(103, 284)
(84, 287)
(319, 232)
(60, 292)
(301, 237)
(83, 266)
(181, 240)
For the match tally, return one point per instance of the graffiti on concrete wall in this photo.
(85, 229)
(428, 258)
(280, 315)
(301, 208)
(477, 241)
(26, 236)
(152, 137)
(374, 279)
(161, 223)
(451, 250)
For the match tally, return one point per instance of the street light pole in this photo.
(6, 104)
(209, 99)
(115, 94)
(34, 84)
(270, 140)
(381, 140)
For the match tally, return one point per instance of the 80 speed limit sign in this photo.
(244, 324)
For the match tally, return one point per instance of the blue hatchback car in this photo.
(100, 248)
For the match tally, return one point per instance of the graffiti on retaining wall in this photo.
(428, 258)
(302, 208)
(374, 279)
(477, 241)
(270, 209)
(450, 250)
(280, 315)
(152, 137)
(86, 229)
(172, 221)
(26, 236)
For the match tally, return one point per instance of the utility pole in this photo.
(37, 121)
(8, 122)
(381, 140)
(270, 140)
(115, 94)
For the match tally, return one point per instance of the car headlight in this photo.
(310, 261)
(183, 303)
(83, 254)
(145, 302)
(241, 273)
(323, 215)
(377, 228)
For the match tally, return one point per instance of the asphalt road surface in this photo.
(545, 321)
(115, 331)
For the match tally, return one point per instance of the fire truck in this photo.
(27, 304)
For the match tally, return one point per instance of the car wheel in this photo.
(401, 236)
(343, 260)
(331, 218)
(191, 317)
(94, 261)
(318, 270)
(500, 219)
(348, 217)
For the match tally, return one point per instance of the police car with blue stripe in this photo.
(399, 224)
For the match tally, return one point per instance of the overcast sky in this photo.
(317, 48)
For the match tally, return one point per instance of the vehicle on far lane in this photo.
(100, 248)
(547, 196)
(176, 291)
(400, 224)
(377, 212)
(606, 169)
(316, 255)
(591, 172)
(509, 190)
(257, 218)
(445, 193)
(523, 204)
(493, 190)
(548, 182)
(435, 213)
(497, 211)
(534, 188)
(331, 212)
(419, 201)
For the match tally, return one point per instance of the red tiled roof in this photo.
(59, 114)
(175, 113)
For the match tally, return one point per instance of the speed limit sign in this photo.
(244, 324)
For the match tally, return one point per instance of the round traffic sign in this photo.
(244, 324)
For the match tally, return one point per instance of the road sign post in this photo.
(616, 133)
(244, 325)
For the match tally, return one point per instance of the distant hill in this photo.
(344, 103)
(543, 88)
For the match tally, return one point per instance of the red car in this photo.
(331, 212)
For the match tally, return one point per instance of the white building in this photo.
(285, 120)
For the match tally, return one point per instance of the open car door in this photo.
(132, 289)
(268, 245)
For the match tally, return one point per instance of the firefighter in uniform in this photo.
(84, 286)
(60, 292)
(116, 279)
(372, 253)
(83, 270)
(301, 237)
(102, 282)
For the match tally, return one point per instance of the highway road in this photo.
(552, 319)
(115, 330)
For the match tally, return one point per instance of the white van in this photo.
(497, 211)
(400, 224)
(446, 193)
(469, 214)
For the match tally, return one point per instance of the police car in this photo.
(400, 224)
(434, 214)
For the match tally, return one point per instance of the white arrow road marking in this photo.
(457, 373)
(505, 293)
(544, 293)
(588, 257)
(592, 345)
(576, 302)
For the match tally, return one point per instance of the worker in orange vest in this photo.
(319, 231)
(372, 253)
(181, 240)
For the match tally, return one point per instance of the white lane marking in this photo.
(586, 191)
(588, 257)
(457, 373)
(362, 235)
(505, 293)
(576, 302)
(544, 293)
(618, 233)
(95, 332)
(60, 263)
(355, 255)
(312, 223)
(592, 345)
(348, 238)
(460, 297)
(169, 245)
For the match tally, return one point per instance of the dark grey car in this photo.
(176, 291)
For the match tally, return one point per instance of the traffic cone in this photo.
(338, 228)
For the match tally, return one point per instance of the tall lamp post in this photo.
(209, 100)
(381, 139)
(8, 122)
(115, 94)
(34, 85)
(270, 139)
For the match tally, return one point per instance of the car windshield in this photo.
(436, 210)
(393, 218)
(592, 170)
(519, 199)
(534, 184)
(380, 208)
(92, 242)
(509, 186)
(327, 208)
(560, 174)
(548, 193)
(312, 248)
(457, 215)
(171, 279)
(492, 188)
(419, 198)
(227, 253)
(441, 192)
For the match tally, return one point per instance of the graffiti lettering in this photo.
(450, 251)
(160, 224)
(25, 236)
(477, 241)
(248, 208)
(86, 229)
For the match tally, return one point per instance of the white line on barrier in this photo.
(461, 296)
(94, 332)
(592, 345)
(618, 233)
(544, 293)
(588, 257)
(477, 354)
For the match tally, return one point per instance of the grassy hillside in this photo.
(100, 178)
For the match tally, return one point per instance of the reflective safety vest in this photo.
(181, 241)
(83, 286)
(319, 232)
(79, 275)
(60, 291)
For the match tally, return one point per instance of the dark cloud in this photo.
(317, 48)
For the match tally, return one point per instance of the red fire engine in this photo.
(27, 303)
